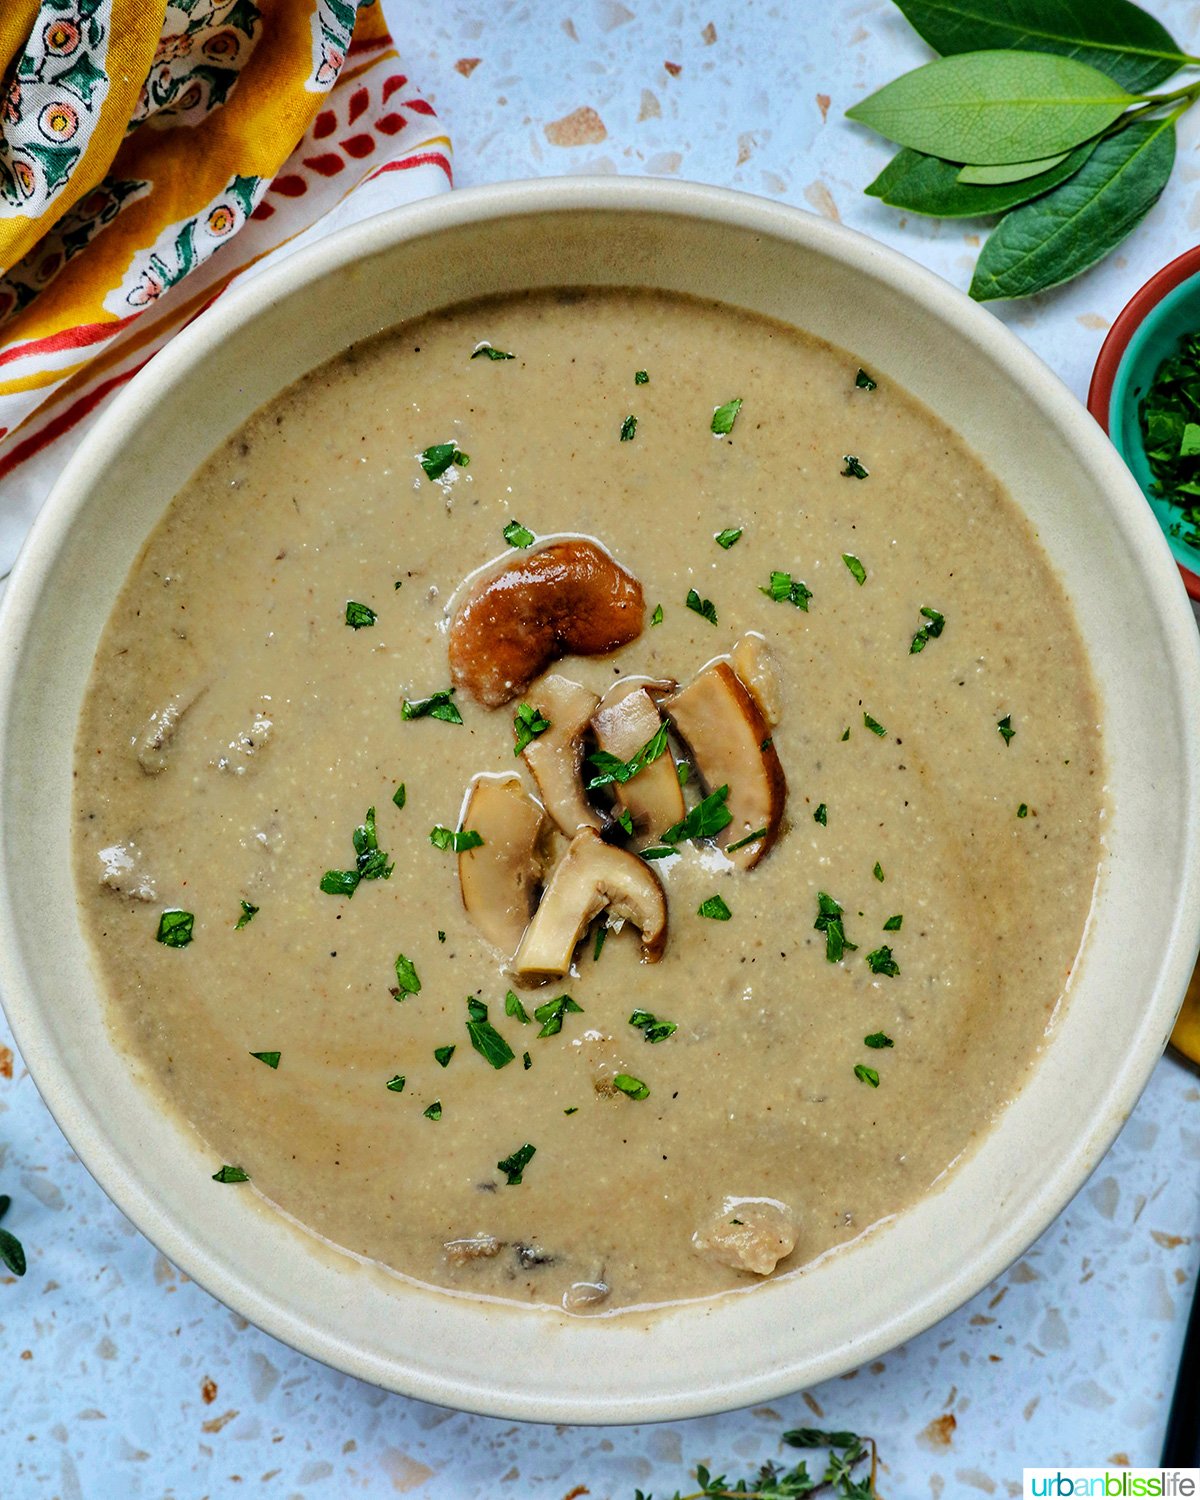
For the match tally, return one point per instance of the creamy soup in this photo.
(810, 1022)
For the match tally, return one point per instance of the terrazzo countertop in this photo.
(121, 1378)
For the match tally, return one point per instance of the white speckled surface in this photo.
(120, 1378)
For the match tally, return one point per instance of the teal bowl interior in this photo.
(1155, 338)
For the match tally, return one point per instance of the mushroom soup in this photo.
(589, 798)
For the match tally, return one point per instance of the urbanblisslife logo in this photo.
(1111, 1484)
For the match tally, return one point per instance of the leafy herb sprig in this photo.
(772, 1481)
(1040, 113)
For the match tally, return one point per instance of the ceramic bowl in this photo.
(1138, 950)
(1145, 333)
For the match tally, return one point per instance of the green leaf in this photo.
(436, 706)
(640, 377)
(1023, 810)
(865, 382)
(434, 1111)
(866, 1075)
(878, 1040)
(652, 1027)
(514, 1166)
(513, 1007)
(829, 921)
(894, 924)
(175, 928)
(1005, 726)
(486, 1040)
(657, 617)
(1115, 36)
(750, 838)
(995, 106)
(785, 589)
(725, 539)
(704, 821)
(855, 468)
(812, 1437)
(528, 723)
(703, 607)
(248, 915)
(517, 535)
(923, 184)
(821, 816)
(628, 429)
(407, 979)
(715, 909)
(400, 795)
(725, 416)
(359, 615)
(1069, 229)
(1013, 171)
(395, 1084)
(340, 882)
(552, 1012)
(443, 838)
(270, 1058)
(632, 1087)
(657, 853)
(437, 459)
(231, 1174)
(442, 1055)
(880, 961)
(857, 571)
(874, 725)
(12, 1253)
(489, 351)
(612, 768)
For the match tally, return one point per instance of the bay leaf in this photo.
(1013, 171)
(926, 185)
(992, 107)
(1070, 228)
(1116, 36)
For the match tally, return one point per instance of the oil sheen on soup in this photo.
(589, 798)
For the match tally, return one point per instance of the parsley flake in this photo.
(248, 914)
(785, 589)
(631, 1087)
(340, 882)
(486, 1040)
(434, 1112)
(726, 539)
(517, 535)
(821, 815)
(436, 706)
(528, 723)
(866, 1075)
(935, 624)
(864, 382)
(359, 615)
(488, 351)
(628, 429)
(878, 1040)
(652, 1027)
(1023, 810)
(715, 909)
(625, 819)
(725, 416)
(857, 571)
(407, 978)
(270, 1058)
(551, 1014)
(175, 928)
(880, 961)
(400, 795)
(845, 734)
(513, 1007)
(878, 872)
(829, 921)
(894, 924)
(231, 1174)
(700, 606)
(874, 725)
(12, 1252)
(640, 377)
(464, 838)
(854, 468)
(396, 1084)
(601, 939)
(1006, 729)
(759, 833)
(526, 1061)
(611, 768)
(437, 459)
(444, 1054)
(656, 853)
(514, 1166)
(704, 821)
(657, 617)
(371, 863)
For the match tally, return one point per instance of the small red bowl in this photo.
(1147, 331)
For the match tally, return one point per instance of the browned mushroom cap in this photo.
(565, 598)
(556, 755)
(721, 723)
(500, 878)
(627, 719)
(591, 876)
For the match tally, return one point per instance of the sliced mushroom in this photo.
(500, 878)
(721, 723)
(565, 597)
(153, 744)
(591, 876)
(749, 1234)
(474, 1247)
(627, 719)
(555, 756)
(754, 664)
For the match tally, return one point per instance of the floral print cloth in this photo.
(152, 151)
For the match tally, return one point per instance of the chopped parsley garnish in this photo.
(464, 838)
(175, 927)
(601, 939)
(714, 907)
(514, 1166)
(248, 915)
(878, 872)
(759, 833)
(434, 1112)
(611, 768)
(513, 1007)
(517, 535)
(551, 1014)
(1023, 810)
(854, 468)
(725, 416)
(878, 1040)
(444, 1054)
(396, 1083)
(845, 733)
(526, 1061)
(640, 377)
(370, 860)
(407, 978)
(631, 1087)
(441, 936)
(726, 539)
(572, 1110)
(437, 459)
(866, 1075)
(625, 820)
(488, 351)
(829, 921)
(682, 772)
(821, 815)
(704, 821)
(864, 382)
(857, 571)
(231, 1174)
(874, 725)
(340, 882)
(880, 961)
(1005, 726)
(400, 795)
(652, 1027)
(358, 615)
(270, 1058)
(628, 429)
(656, 853)
(657, 617)
(12, 1252)
(894, 924)
(528, 723)
(436, 706)
(785, 589)
(486, 1040)
(700, 606)
(935, 624)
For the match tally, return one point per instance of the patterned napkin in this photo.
(152, 152)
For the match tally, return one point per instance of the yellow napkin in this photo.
(1186, 1035)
